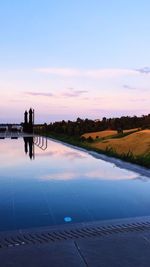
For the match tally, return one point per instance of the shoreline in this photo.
(143, 171)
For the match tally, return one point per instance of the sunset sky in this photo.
(74, 58)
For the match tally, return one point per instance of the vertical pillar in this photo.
(26, 117)
(30, 116)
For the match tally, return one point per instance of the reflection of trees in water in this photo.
(29, 146)
(30, 142)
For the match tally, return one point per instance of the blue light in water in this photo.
(67, 219)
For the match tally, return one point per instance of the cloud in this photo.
(70, 92)
(60, 176)
(109, 73)
(74, 93)
(129, 87)
(60, 71)
(138, 99)
(91, 175)
(71, 155)
(100, 98)
(39, 94)
(145, 70)
(92, 73)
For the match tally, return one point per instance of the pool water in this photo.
(53, 184)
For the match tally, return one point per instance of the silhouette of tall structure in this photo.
(29, 147)
(28, 121)
(26, 117)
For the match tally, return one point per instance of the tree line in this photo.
(81, 126)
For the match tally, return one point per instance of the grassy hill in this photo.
(138, 143)
(132, 145)
(106, 133)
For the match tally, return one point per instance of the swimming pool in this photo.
(53, 184)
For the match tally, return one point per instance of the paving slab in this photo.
(61, 254)
(117, 244)
(125, 250)
(120, 250)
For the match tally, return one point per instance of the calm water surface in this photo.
(60, 185)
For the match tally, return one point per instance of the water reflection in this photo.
(29, 147)
(30, 142)
(99, 174)
(55, 161)
(64, 185)
(40, 142)
(76, 164)
(57, 152)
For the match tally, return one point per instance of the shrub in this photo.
(89, 139)
(82, 139)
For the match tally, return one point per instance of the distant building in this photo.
(28, 121)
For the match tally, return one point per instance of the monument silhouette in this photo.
(29, 147)
(28, 121)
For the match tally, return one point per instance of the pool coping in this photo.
(73, 231)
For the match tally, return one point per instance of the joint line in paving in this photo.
(81, 254)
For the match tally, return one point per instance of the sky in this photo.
(74, 58)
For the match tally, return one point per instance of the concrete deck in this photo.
(124, 243)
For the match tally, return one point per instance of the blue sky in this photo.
(74, 58)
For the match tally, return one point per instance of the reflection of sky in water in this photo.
(65, 185)
(58, 162)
